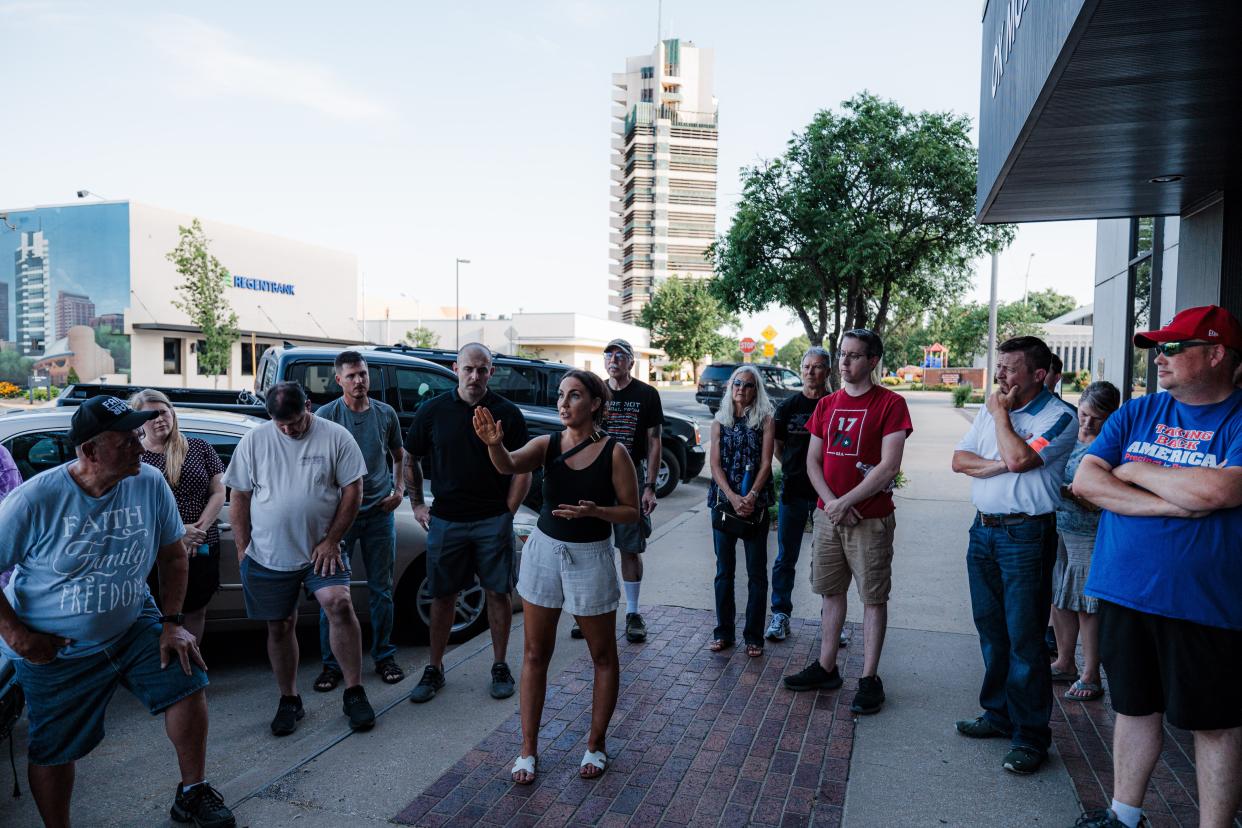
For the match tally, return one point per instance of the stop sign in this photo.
(747, 345)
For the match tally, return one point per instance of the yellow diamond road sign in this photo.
(769, 349)
(769, 333)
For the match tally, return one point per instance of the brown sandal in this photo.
(719, 644)
(328, 680)
(754, 650)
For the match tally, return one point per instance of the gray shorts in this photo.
(460, 550)
(272, 594)
(580, 578)
(632, 537)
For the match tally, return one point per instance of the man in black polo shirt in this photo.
(470, 522)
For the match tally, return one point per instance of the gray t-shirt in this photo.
(82, 561)
(295, 487)
(378, 433)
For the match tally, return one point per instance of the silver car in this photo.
(38, 441)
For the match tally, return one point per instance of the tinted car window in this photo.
(415, 386)
(224, 444)
(40, 451)
(716, 373)
(516, 383)
(319, 380)
(791, 380)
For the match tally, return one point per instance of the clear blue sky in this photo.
(413, 133)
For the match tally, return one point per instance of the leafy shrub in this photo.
(1080, 380)
(960, 395)
(8, 390)
(890, 381)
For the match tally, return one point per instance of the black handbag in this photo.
(726, 519)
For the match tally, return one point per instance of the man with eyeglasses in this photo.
(858, 436)
(376, 429)
(1015, 450)
(1167, 568)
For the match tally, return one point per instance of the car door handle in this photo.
(224, 527)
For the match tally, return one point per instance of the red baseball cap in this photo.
(1210, 323)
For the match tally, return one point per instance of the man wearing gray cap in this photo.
(635, 417)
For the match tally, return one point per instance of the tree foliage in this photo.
(685, 318)
(963, 329)
(1047, 304)
(790, 354)
(203, 299)
(423, 337)
(865, 207)
(15, 368)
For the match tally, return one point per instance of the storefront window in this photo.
(251, 354)
(172, 355)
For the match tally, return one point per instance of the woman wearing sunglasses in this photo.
(739, 496)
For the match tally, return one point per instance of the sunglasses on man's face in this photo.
(743, 384)
(1174, 348)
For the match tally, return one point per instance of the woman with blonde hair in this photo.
(739, 496)
(195, 474)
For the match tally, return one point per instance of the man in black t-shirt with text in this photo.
(470, 521)
(798, 499)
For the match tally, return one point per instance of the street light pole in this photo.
(457, 281)
(1026, 281)
(987, 380)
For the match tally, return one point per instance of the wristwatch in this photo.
(177, 618)
(649, 486)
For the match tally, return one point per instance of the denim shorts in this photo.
(460, 550)
(579, 578)
(272, 595)
(66, 699)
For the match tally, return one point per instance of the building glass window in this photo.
(172, 355)
(250, 356)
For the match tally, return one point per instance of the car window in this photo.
(516, 383)
(417, 385)
(224, 444)
(39, 451)
(791, 380)
(319, 380)
(772, 379)
(715, 373)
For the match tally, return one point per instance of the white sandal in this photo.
(595, 758)
(525, 763)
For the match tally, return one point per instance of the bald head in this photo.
(475, 349)
(473, 368)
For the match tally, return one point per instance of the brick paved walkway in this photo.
(698, 739)
(1083, 732)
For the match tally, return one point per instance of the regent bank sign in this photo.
(263, 285)
(1012, 13)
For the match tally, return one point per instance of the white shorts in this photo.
(580, 578)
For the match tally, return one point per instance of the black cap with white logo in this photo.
(100, 414)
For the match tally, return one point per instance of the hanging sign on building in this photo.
(264, 285)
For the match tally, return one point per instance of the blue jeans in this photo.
(1010, 571)
(756, 549)
(375, 532)
(791, 517)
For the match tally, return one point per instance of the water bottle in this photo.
(204, 549)
(748, 479)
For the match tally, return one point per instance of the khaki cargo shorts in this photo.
(863, 552)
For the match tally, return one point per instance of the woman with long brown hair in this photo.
(195, 474)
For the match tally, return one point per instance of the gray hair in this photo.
(819, 353)
(285, 400)
(758, 412)
(1102, 396)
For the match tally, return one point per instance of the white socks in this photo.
(631, 595)
(1128, 814)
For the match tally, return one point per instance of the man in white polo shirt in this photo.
(1016, 452)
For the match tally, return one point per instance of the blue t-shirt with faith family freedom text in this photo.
(1187, 568)
(82, 561)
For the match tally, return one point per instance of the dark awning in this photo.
(1084, 102)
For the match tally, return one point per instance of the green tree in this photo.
(863, 208)
(685, 318)
(790, 354)
(1048, 304)
(72, 377)
(116, 344)
(203, 298)
(14, 367)
(423, 337)
(963, 329)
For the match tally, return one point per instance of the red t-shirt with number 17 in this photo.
(852, 429)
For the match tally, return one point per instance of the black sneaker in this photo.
(979, 728)
(635, 628)
(203, 806)
(358, 709)
(432, 680)
(575, 631)
(502, 681)
(870, 695)
(1105, 818)
(814, 677)
(287, 715)
(1022, 760)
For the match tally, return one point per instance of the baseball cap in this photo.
(620, 345)
(100, 414)
(1209, 323)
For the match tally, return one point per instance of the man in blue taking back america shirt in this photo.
(1167, 568)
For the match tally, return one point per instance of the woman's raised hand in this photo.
(486, 427)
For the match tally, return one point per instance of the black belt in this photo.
(1012, 520)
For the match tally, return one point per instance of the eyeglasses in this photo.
(615, 356)
(848, 357)
(737, 383)
(1174, 348)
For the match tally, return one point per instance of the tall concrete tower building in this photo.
(664, 172)
(33, 285)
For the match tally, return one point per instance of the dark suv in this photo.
(777, 381)
(534, 382)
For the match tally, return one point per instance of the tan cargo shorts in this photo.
(863, 552)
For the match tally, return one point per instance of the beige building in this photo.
(664, 172)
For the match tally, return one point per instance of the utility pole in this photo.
(991, 370)
(1026, 281)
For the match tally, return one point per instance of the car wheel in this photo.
(414, 604)
(669, 475)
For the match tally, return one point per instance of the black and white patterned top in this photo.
(193, 490)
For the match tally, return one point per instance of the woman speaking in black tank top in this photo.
(589, 484)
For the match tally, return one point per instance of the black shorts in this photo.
(1192, 673)
(202, 582)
